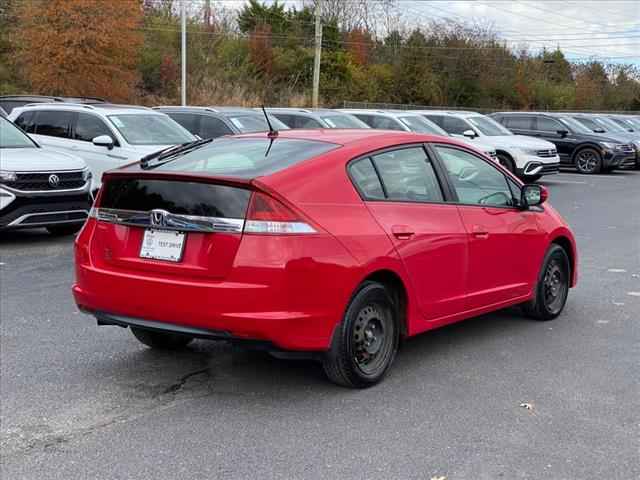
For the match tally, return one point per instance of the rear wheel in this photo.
(552, 288)
(365, 343)
(62, 230)
(588, 160)
(161, 340)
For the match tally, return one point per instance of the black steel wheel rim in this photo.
(587, 161)
(372, 339)
(555, 287)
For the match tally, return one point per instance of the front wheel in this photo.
(506, 162)
(161, 340)
(588, 160)
(552, 289)
(366, 342)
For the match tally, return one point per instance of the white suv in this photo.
(40, 187)
(410, 121)
(528, 157)
(105, 136)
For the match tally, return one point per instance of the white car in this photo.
(40, 187)
(528, 157)
(410, 121)
(105, 136)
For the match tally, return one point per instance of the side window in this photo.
(288, 120)
(437, 119)
(54, 123)
(455, 126)
(368, 119)
(306, 122)
(385, 123)
(190, 121)
(546, 124)
(474, 180)
(407, 175)
(211, 127)
(366, 179)
(89, 127)
(518, 123)
(25, 121)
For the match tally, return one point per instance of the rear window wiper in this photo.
(163, 156)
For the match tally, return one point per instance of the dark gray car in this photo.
(214, 122)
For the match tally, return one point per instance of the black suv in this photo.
(9, 102)
(577, 145)
(214, 122)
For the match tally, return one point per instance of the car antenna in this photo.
(273, 133)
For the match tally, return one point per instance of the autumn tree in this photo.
(80, 47)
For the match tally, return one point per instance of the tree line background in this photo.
(129, 51)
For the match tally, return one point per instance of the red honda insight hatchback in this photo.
(338, 242)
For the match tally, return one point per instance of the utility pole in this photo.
(183, 13)
(316, 60)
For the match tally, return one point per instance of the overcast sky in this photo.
(607, 30)
(603, 29)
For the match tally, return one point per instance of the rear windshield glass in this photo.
(187, 198)
(247, 157)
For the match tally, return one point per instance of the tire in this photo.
(161, 340)
(552, 288)
(588, 161)
(63, 230)
(506, 161)
(366, 341)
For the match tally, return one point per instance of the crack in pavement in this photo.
(15, 444)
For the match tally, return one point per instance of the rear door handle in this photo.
(402, 232)
(479, 231)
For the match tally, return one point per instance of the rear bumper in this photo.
(285, 291)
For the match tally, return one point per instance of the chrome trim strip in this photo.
(171, 221)
(19, 221)
(38, 193)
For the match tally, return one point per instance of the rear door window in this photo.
(54, 123)
(407, 175)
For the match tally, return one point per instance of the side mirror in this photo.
(103, 141)
(469, 133)
(533, 195)
(562, 133)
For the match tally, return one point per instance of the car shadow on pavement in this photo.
(215, 368)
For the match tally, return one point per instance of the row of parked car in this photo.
(55, 149)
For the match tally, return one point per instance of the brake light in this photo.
(268, 215)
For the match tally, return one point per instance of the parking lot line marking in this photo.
(634, 294)
(617, 270)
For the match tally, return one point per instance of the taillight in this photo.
(268, 215)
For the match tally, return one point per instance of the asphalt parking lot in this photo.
(81, 402)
